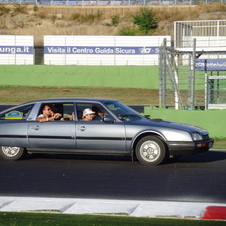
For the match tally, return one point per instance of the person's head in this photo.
(98, 111)
(88, 114)
(46, 110)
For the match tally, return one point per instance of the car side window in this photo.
(84, 109)
(68, 112)
(56, 112)
(20, 113)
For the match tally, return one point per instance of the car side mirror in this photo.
(108, 119)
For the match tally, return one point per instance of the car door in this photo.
(100, 136)
(97, 135)
(54, 134)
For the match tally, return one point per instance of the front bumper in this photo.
(187, 148)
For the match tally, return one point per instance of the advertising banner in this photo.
(16, 49)
(102, 50)
(210, 65)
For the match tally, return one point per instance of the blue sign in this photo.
(100, 50)
(16, 49)
(210, 65)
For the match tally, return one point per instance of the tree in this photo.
(145, 20)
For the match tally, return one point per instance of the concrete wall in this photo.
(212, 120)
(97, 76)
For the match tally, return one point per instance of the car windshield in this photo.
(122, 111)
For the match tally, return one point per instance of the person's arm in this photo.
(42, 119)
(56, 116)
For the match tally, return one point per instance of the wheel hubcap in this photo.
(150, 151)
(10, 151)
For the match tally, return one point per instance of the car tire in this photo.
(11, 153)
(151, 150)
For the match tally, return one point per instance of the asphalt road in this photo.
(199, 178)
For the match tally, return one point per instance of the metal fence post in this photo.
(193, 75)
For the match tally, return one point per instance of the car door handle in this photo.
(82, 128)
(36, 127)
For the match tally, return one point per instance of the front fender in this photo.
(146, 133)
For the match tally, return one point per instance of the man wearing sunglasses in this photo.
(47, 115)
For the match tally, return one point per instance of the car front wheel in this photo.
(11, 153)
(151, 150)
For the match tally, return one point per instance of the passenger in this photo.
(69, 117)
(55, 114)
(99, 114)
(47, 114)
(88, 115)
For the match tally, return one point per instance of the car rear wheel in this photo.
(11, 153)
(151, 150)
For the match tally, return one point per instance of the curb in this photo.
(135, 208)
(214, 212)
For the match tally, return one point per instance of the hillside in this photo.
(96, 20)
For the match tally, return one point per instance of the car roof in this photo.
(69, 99)
(52, 100)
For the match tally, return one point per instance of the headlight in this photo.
(196, 136)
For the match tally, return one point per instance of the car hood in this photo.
(172, 125)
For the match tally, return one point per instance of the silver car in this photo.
(118, 131)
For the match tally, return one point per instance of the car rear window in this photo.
(20, 113)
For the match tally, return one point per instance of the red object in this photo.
(214, 212)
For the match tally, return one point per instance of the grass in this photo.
(17, 219)
(219, 142)
(132, 96)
